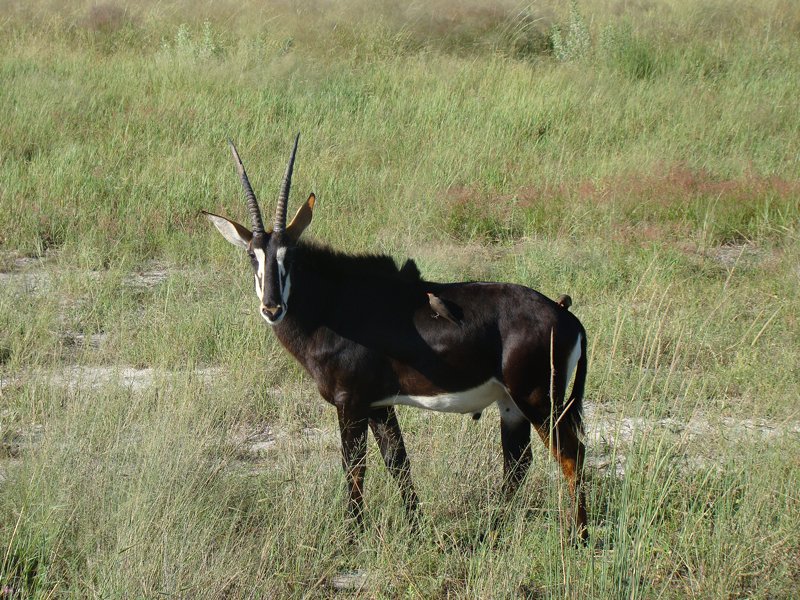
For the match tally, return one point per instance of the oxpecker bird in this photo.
(440, 308)
(564, 301)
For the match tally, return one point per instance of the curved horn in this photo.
(280, 210)
(252, 203)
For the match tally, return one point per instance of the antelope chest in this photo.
(468, 401)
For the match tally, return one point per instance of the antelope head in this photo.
(270, 249)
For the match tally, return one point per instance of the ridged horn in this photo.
(283, 197)
(252, 203)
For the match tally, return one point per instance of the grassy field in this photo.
(643, 157)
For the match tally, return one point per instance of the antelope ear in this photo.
(302, 219)
(236, 234)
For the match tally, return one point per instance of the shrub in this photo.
(575, 43)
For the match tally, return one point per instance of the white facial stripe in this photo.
(285, 287)
(280, 256)
(283, 279)
(261, 258)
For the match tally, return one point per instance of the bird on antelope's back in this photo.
(564, 301)
(440, 309)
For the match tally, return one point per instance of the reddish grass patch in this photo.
(671, 202)
(680, 184)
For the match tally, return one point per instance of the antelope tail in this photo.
(575, 403)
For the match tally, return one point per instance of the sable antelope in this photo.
(362, 328)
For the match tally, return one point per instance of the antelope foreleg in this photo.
(387, 433)
(354, 462)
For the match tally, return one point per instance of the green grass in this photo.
(643, 158)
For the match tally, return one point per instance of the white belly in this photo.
(468, 401)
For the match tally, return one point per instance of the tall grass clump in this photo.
(203, 44)
(628, 53)
(574, 42)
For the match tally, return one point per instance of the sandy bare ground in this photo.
(29, 275)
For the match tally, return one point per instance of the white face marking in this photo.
(261, 258)
(285, 289)
(468, 401)
(275, 321)
(283, 279)
(280, 256)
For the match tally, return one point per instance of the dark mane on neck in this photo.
(341, 265)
